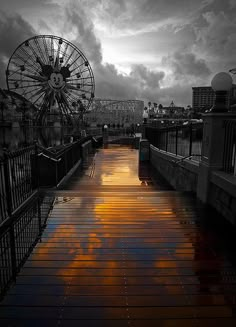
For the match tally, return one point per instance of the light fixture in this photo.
(221, 84)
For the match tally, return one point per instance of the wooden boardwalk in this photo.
(120, 251)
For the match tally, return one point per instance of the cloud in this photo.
(141, 83)
(82, 29)
(13, 31)
(112, 85)
(183, 41)
(216, 35)
(140, 16)
(186, 64)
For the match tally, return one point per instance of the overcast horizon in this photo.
(152, 50)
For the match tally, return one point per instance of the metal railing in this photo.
(229, 154)
(50, 166)
(183, 140)
(18, 236)
(15, 180)
(23, 171)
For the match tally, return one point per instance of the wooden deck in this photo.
(123, 251)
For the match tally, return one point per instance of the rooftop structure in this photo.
(203, 97)
(110, 111)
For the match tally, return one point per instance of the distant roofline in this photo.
(206, 87)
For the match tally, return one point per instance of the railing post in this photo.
(36, 165)
(13, 250)
(39, 216)
(7, 184)
(190, 139)
(212, 150)
(176, 140)
(166, 140)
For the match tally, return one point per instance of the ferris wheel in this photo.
(51, 72)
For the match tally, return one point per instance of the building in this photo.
(173, 111)
(114, 112)
(203, 97)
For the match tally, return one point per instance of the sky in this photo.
(150, 50)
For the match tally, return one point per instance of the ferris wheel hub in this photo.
(56, 82)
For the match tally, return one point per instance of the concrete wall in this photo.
(222, 194)
(183, 176)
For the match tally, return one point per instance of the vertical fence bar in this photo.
(166, 145)
(13, 251)
(39, 216)
(176, 140)
(7, 185)
(36, 167)
(190, 139)
(229, 146)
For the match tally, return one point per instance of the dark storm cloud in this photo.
(186, 64)
(111, 84)
(15, 6)
(216, 36)
(13, 31)
(146, 77)
(192, 39)
(141, 82)
(141, 14)
(83, 29)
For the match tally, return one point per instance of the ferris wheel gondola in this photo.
(49, 70)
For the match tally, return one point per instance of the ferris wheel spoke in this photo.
(24, 81)
(46, 50)
(58, 48)
(33, 50)
(82, 91)
(72, 97)
(84, 71)
(67, 60)
(29, 92)
(64, 98)
(72, 87)
(23, 52)
(27, 69)
(40, 96)
(41, 52)
(76, 59)
(36, 78)
(65, 50)
(28, 86)
(78, 67)
(81, 84)
(18, 57)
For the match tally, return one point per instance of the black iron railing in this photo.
(183, 140)
(229, 154)
(50, 166)
(15, 180)
(19, 235)
(23, 171)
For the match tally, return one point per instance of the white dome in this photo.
(222, 82)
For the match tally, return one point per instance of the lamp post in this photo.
(213, 142)
(221, 84)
